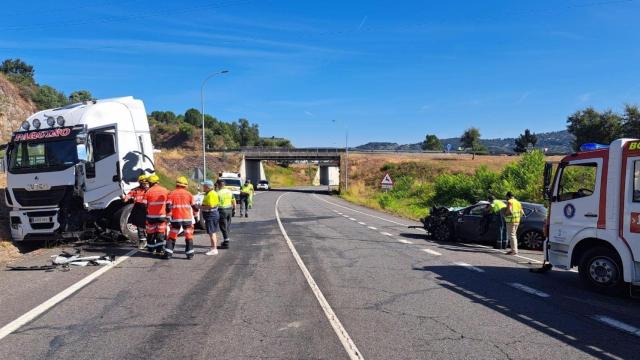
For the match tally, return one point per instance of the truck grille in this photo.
(51, 197)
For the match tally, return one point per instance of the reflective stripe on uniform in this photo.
(190, 252)
(168, 250)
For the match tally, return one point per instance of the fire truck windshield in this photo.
(42, 156)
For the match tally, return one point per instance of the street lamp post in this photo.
(204, 143)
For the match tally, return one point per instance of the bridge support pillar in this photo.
(329, 175)
(252, 170)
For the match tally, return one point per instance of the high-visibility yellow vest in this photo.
(516, 211)
(497, 205)
(211, 199)
(226, 198)
(247, 189)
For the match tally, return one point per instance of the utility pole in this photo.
(204, 142)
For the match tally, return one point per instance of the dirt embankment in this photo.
(14, 108)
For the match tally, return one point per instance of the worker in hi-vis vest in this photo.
(512, 215)
(225, 208)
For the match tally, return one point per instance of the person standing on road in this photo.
(512, 215)
(246, 192)
(156, 201)
(138, 215)
(180, 208)
(497, 208)
(210, 214)
(227, 204)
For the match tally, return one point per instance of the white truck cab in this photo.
(67, 168)
(594, 217)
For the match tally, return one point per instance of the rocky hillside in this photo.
(14, 108)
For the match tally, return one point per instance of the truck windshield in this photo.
(32, 156)
(232, 182)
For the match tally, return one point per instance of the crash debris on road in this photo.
(65, 259)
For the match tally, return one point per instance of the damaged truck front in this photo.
(69, 167)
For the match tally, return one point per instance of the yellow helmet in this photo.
(142, 178)
(153, 179)
(182, 181)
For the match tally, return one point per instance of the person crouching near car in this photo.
(210, 214)
(138, 215)
(180, 206)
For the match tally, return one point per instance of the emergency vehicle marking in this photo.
(569, 211)
(634, 224)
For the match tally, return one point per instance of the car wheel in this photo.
(532, 239)
(601, 270)
(442, 232)
(121, 218)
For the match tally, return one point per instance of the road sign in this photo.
(197, 175)
(386, 182)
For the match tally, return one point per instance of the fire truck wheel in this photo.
(601, 269)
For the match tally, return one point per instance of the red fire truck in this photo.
(594, 217)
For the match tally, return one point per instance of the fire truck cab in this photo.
(594, 217)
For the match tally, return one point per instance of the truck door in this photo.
(631, 214)
(101, 168)
(575, 204)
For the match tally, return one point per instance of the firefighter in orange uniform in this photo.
(138, 215)
(180, 207)
(156, 200)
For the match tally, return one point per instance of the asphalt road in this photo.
(389, 292)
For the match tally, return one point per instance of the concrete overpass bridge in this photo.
(328, 160)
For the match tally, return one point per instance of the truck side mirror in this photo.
(548, 172)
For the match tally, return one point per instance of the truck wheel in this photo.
(121, 219)
(442, 232)
(532, 240)
(601, 269)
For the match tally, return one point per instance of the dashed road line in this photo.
(432, 252)
(341, 332)
(385, 233)
(361, 223)
(405, 241)
(352, 219)
(47, 305)
(345, 216)
(372, 228)
(360, 212)
(529, 290)
(618, 324)
(470, 267)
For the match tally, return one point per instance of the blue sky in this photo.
(386, 70)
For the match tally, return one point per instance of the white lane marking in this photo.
(405, 241)
(45, 306)
(361, 223)
(502, 252)
(341, 332)
(470, 267)
(385, 233)
(432, 252)
(529, 290)
(345, 216)
(352, 219)
(372, 228)
(618, 324)
(360, 212)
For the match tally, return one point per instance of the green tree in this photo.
(80, 96)
(248, 133)
(193, 117)
(470, 140)
(523, 142)
(589, 125)
(432, 143)
(17, 67)
(631, 121)
(46, 97)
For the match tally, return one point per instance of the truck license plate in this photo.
(40, 220)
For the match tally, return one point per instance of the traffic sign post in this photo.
(386, 183)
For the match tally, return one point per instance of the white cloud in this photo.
(586, 97)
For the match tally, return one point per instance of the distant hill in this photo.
(557, 142)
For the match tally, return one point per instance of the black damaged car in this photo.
(469, 224)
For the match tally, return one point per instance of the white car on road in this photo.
(263, 185)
